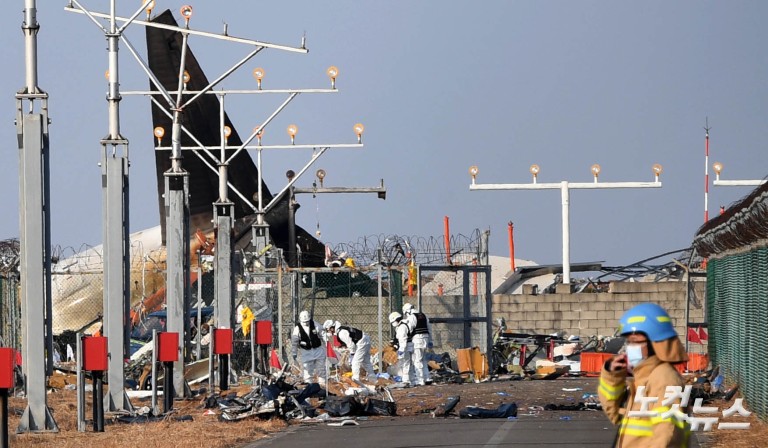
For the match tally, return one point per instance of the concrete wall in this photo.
(583, 314)
(587, 314)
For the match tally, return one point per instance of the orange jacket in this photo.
(653, 431)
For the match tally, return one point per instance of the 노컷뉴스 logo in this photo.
(669, 408)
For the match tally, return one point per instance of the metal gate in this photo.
(457, 300)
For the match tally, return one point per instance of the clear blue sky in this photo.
(440, 86)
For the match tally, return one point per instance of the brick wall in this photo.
(588, 314)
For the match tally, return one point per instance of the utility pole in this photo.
(565, 187)
(35, 229)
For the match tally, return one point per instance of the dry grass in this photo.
(204, 431)
(754, 437)
(207, 431)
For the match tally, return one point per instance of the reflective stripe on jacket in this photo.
(662, 426)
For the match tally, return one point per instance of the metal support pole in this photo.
(467, 309)
(511, 232)
(116, 298)
(223, 266)
(34, 227)
(566, 201)
(280, 304)
(380, 313)
(80, 383)
(211, 360)
(223, 372)
(199, 320)
(168, 390)
(4, 417)
(687, 305)
(98, 400)
(223, 211)
(488, 313)
(253, 347)
(292, 206)
(32, 130)
(176, 243)
(154, 372)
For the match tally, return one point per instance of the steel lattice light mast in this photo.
(115, 208)
(176, 178)
(565, 187)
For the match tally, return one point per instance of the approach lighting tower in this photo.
(35, 230)
(565, 187)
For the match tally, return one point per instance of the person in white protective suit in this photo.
(404, 346)
(359, 345)
(421, 336)
(307, 340)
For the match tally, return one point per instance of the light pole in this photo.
(35, 227)
(381, 193)
(174, 103)
(718, 168)
(565, 187)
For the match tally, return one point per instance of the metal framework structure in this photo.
(177, 179)
(380, 191)
(565, 187)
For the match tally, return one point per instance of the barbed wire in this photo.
(424, 250)
(10, 253)
(396, 250)
(741, 226)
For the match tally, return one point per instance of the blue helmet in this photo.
(648, 318)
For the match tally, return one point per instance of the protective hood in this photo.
(670, 350)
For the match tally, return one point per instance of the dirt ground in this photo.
(531, 396)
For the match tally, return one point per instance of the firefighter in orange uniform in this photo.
(652, 346)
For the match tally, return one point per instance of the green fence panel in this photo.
(737, 312)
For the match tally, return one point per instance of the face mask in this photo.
(634, 354)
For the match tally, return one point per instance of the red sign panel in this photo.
(7, 362)
(167, 346)
(95, 354)
(222, 341)
(264, 332)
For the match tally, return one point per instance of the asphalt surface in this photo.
(579, 429)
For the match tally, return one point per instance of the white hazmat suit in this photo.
(421, 336)
(307, 340)
(360, 351)
(404, 347)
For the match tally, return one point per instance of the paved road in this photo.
(582, 430)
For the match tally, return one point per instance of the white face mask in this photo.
(634, 355)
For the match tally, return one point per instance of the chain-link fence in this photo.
(737, 310)
(10, 312)
(10, 300)
(360, 296)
